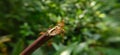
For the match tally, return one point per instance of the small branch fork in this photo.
(43, 38)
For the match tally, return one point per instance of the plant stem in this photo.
(37, 43)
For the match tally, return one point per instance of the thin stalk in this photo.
(36, 44)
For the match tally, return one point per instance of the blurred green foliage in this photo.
(91, 26)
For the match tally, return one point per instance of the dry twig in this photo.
(43, 38)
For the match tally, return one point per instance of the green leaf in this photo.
(18, 47)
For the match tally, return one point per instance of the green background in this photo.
(92, 27)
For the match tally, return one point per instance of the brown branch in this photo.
(37, 43)
(43, 38)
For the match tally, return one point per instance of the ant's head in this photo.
(61, 23)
